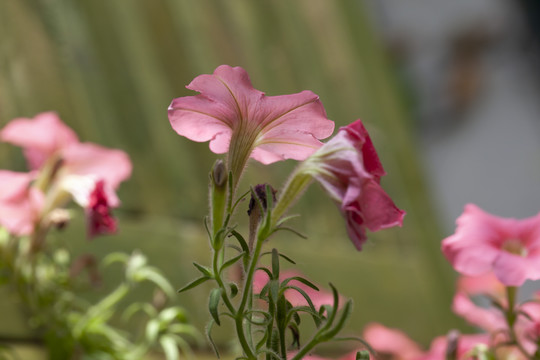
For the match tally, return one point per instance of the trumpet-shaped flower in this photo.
(349, 169)
(243, 121)
(484, 242)
(88, 172)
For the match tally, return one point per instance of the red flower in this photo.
(99, 216)
(349, 169)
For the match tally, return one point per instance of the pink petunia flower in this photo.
(63, 165)
(391, 342)
(349, 169)
(41, 137)
(243, 121)
(20, 204)
(465, 343)
(483, 242)
(489, 319)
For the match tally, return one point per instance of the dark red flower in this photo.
(98, 214)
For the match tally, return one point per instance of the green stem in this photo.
(511, 317)
(246, 294)
(294, 187)
(238, 314)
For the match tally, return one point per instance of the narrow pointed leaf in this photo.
(275, 264)
(194, 283)
(170, 348)
(300, 279)
(231, 262)
(210, 339)
(213, 303)
(204, 270)
(241, 241)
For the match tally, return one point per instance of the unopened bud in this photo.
(219, 174)
(260, 192)
(218, 194)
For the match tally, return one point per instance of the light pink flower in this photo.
(391, 342)
(484, 284)
(489, 319)
(465, 344)
(243, 121)
(65, 164)
(318, 298)
(483, 242)
(40, 137)
(349, 169)
(20, 204)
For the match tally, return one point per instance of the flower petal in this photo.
(20, 205)
(110, 165)
(269, 128)
(40, 137)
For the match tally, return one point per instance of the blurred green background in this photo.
(110, 69)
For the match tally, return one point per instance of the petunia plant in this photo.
(266, 303)
(48, 278)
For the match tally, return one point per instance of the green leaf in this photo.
(210, 339)
(286, 218)
(152, 274)
(194, 283)
(213, 303)
(241, 241)
(152, 331)
(231, 262)
(275, 264)
(115, 257)
(308, 299)
(274, 290)
(206, 227)
(204, 270)
(300, 279)
(172, 313)
(170, 348)
(136, 307)
(295, 232)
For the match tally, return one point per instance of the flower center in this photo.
(514, 246)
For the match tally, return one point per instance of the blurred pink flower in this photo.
(319, 298)
(349, 169)
(465, 343)
(484, 284)
(20, 204)
(391, 342)
(489, 319)
(484, 242)
(243, 121)
(41, 137)
(63, 164)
